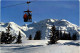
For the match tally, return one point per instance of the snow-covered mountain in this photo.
(44, 26)
(14, 29)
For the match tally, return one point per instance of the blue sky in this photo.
(41, 10)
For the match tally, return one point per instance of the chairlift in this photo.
(28, 14)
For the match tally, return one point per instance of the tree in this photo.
(19, 38)
(74, 37)
(60, 35)
(53, 36)
(3, 35)
(65, 36)
(57, 33)
(7, 38)
(69, 36)
(30, 37)
(37, 35)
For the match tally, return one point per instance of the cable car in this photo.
(28, 14)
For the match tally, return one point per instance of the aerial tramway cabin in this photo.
(28, 14)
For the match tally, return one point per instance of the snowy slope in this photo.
(45, 25)
(39, 48)
(14, 30)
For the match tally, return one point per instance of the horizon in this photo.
(68, 10)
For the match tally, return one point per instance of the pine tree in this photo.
(30, 37)
(57, 34)
(3, 35)
(7, 37)
(37, 35)
(53, 36)
(60, 35)
(19, 38)
(69, 36)
(64, 37)
(74, 37)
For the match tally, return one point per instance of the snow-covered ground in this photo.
(40, 46)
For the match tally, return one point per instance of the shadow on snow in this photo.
(72, 43)
(23, 47)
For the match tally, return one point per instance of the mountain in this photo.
(14, 29)
(44, 26)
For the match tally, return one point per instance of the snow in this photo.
(38, 46)
(14, 30)
(44, 26)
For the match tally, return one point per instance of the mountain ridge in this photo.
(44, 26)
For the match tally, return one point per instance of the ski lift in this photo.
(28, 14)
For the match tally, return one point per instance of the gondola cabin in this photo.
(27, 16)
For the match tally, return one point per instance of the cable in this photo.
(17, 4)
(13, 5)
